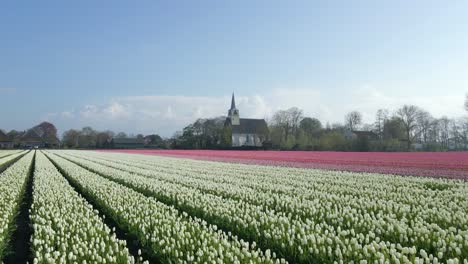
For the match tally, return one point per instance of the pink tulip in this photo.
(433, 164)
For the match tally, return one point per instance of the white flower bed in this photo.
(65, 227)
(166, 233)
(9, 157)
(12, 186)
(4, 153)
(317, 215)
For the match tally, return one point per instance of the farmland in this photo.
(433, 164)
(110, 207)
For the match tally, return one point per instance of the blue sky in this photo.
(153, 66)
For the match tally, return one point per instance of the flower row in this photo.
(8, 157)
(13, 183)
(65, 227)
(165, 233)
(298, 240)
(4, 153)
(374, 219)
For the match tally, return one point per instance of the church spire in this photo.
(233, 113)
(233, 102)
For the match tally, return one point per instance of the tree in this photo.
(287, 123)
(333, 141)
(88, 137)
(408, 115)
(424, 122)
(353, 120)
(121, 135)
(103, 139)
(380, 118)
(296, 115)
(71, 138)
(311, 126)
(155, 141)
(394, 129)
(464, 132)
(202, 134)
(14, 136)
(48, 133)
(444, 129)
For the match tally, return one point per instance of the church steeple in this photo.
(233, 102)
(233, 113)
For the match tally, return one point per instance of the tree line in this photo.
(88, 138)
(407, 128)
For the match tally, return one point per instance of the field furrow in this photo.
(12, 187)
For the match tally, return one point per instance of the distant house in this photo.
(455, 143)
(355, 134)
(30, 139)
(127, 143)
(48, 133)
(417, 146)
(5, 142)
(245, 132)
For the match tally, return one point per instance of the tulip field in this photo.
(434, 164)
(115, 207)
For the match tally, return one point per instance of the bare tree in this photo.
(288, 121)
(424, 122)
(380, 118)
(281, 122)
(295, 114)
(464, 132)
(456, 134)
(408, 115)
(353, 120)
(70, 138)
(444, 128)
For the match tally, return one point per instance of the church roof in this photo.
(249, 126)
(369, 134)
(31, 136)
(233, 102)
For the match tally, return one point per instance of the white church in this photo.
(245, 132)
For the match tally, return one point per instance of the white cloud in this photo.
(117, 110)
(67, 114)
(166, 114)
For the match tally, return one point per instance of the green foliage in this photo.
(203, 134)
(311, 126)
(394, 129)
(362, 144)
(333, 141)
(436, 186)
(226, 137)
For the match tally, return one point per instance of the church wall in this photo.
(239, 140)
